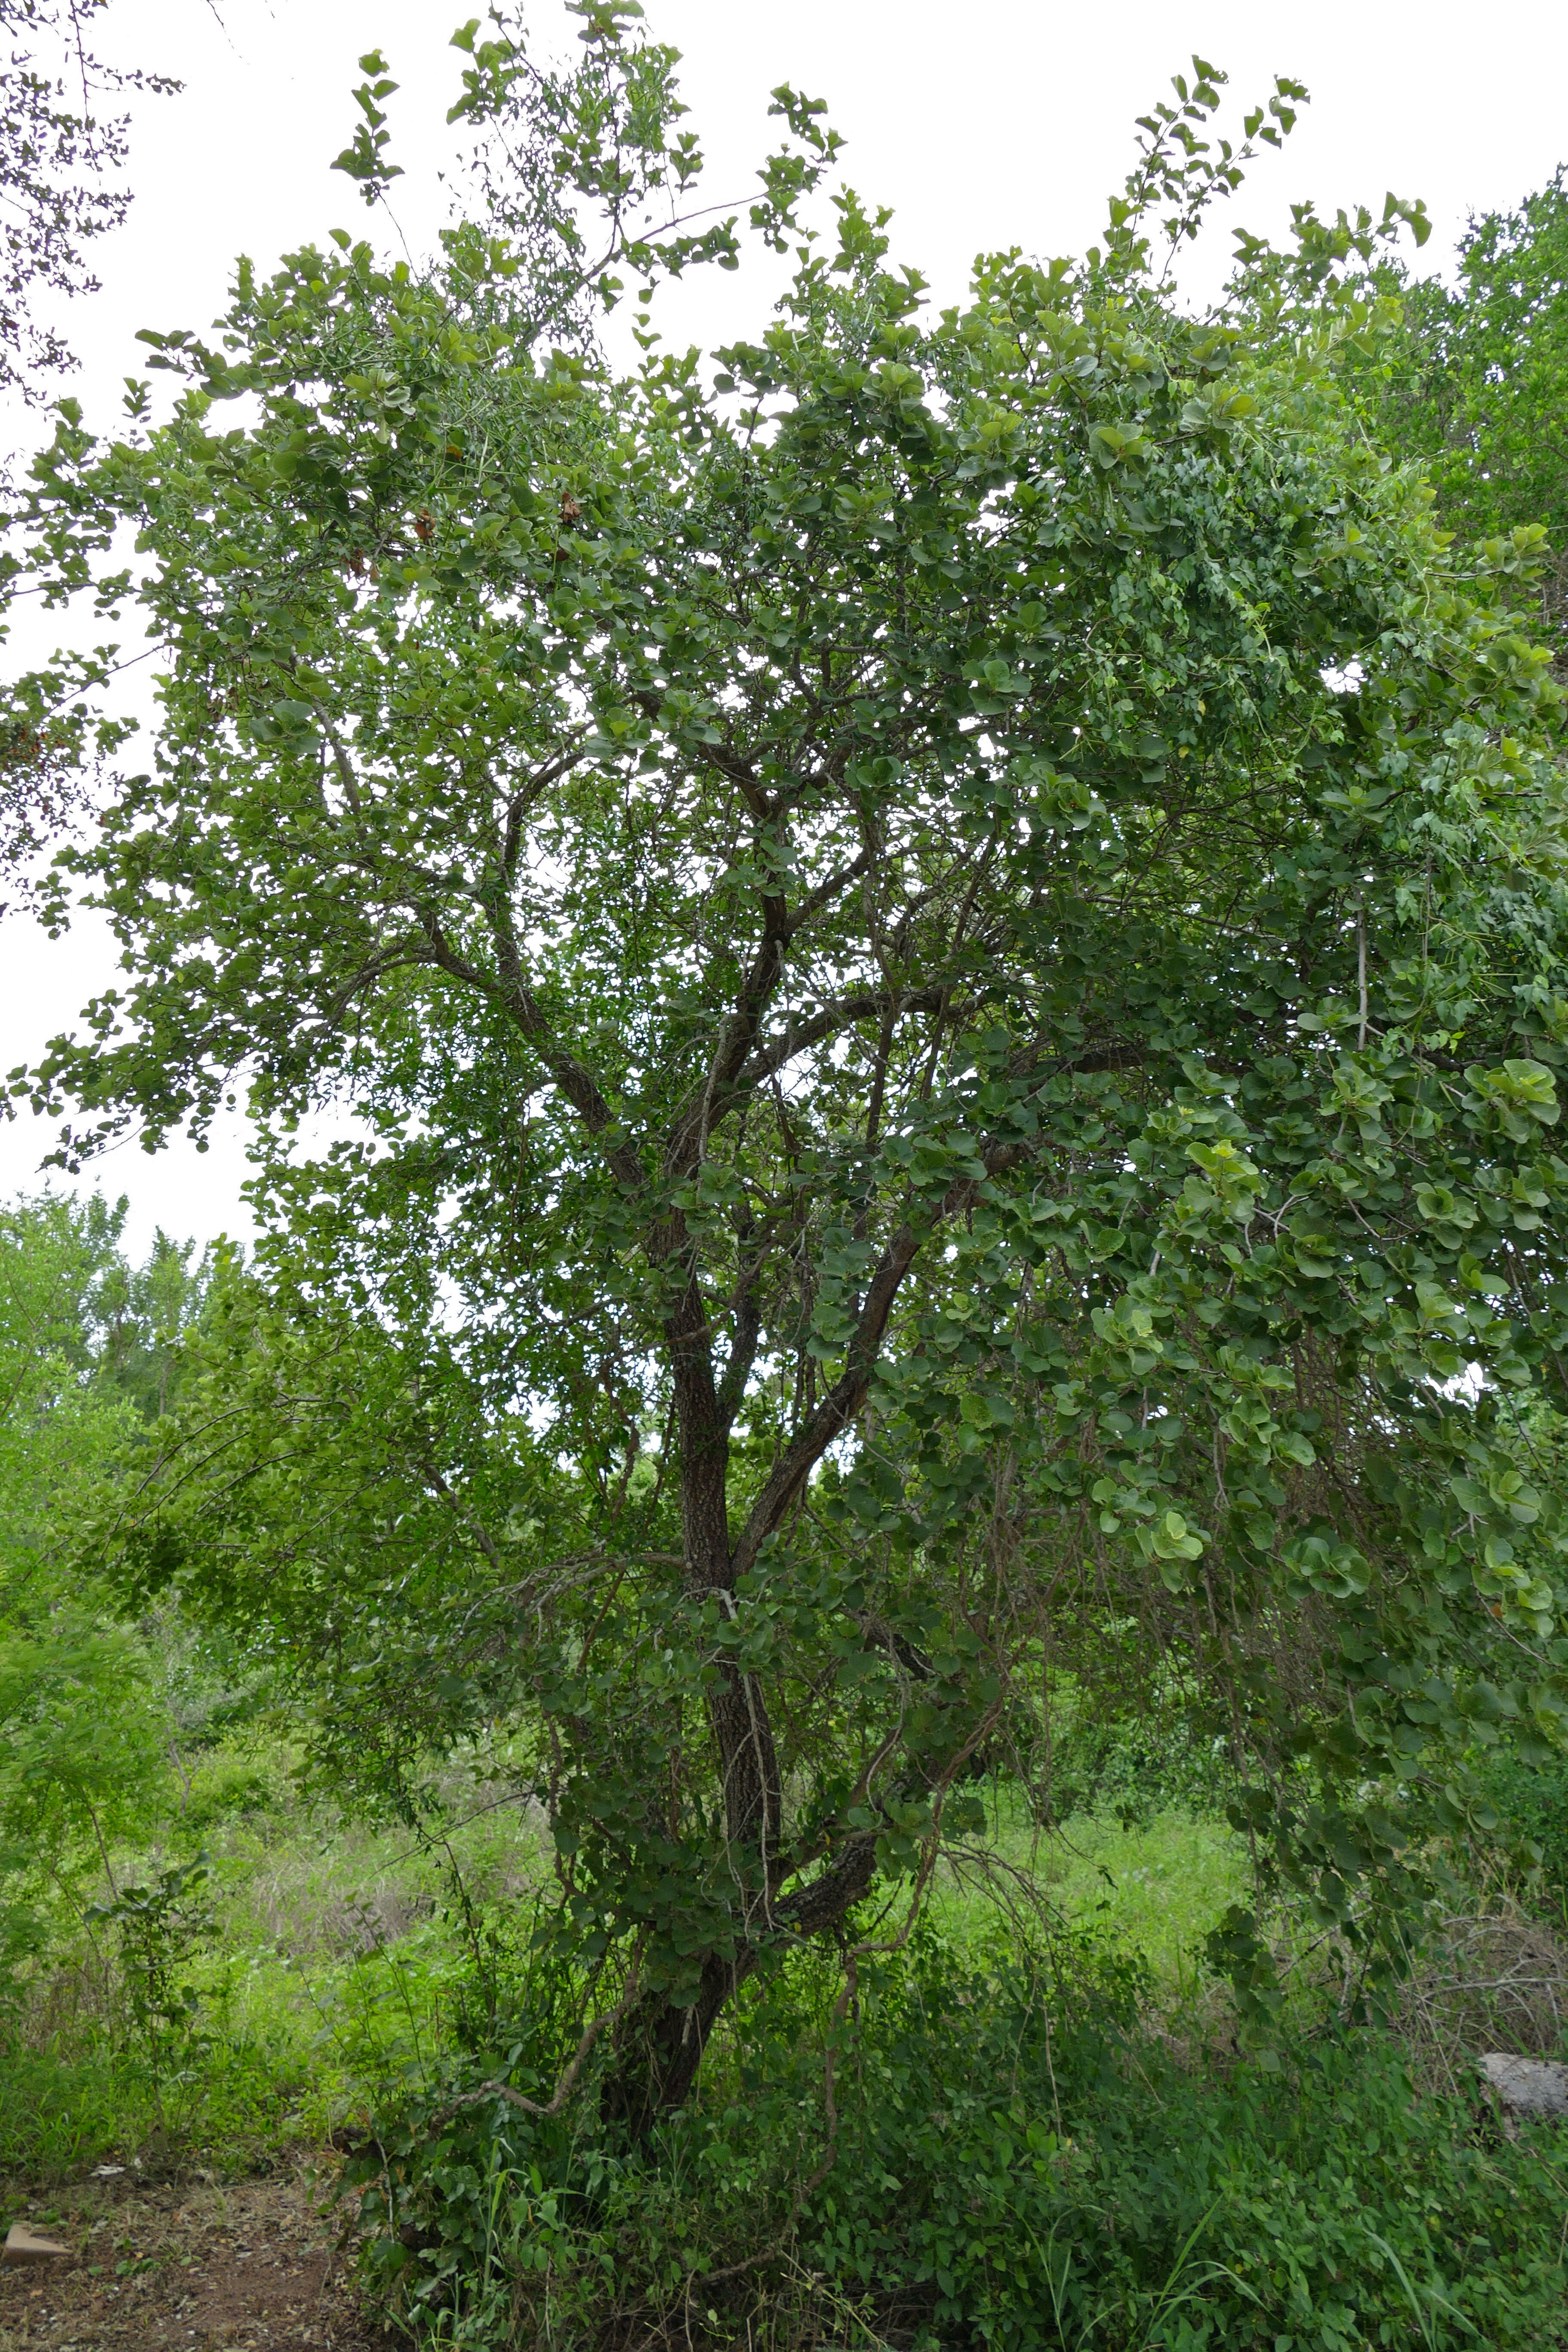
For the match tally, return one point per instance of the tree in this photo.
(60, 161)
(80, 1733)
(945, 948)
(59, 158)
(1477, 385)
(54, 1418)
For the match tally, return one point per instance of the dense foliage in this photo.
(88, 1344)
(1018, 2165)
(1474, 385)
(945, 950)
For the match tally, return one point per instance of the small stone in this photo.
(23, 2244)
(1526, 2087)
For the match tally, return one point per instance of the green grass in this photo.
(334, 1961)
(1160, 1886)
(338, 1960)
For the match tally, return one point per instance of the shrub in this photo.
(1531, 1804)
(1020, 2162)
(1136, 1766)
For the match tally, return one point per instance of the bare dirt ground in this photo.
(190, 2263)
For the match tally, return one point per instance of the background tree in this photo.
(53, 1258)
(1476, 386)
(61, 158)
(946, 951)
(82, 1731)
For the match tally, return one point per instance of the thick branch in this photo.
(822, 1900)
(815, 901)
(843, 1013)
(573, 1079)
(748, 1327)
(737, 1035)
(522, 800)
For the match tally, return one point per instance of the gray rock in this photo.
(1526, 2087)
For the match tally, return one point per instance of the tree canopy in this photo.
(1475, 382)
(59, 159)
(940, 950)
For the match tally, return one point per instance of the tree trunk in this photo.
(660, 2047)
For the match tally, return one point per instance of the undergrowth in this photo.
(1044, 2140)
(256, 1976)
(1019, 2161)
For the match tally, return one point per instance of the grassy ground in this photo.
(326, 1963)
(334, 1957)
(1161, 1886)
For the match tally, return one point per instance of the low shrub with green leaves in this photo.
(1018, 2162)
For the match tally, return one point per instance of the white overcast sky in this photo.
(991, 123)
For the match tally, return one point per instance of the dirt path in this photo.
(189, 2264)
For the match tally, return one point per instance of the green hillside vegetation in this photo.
(852, 1631)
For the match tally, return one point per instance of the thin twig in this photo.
(565, 2087)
